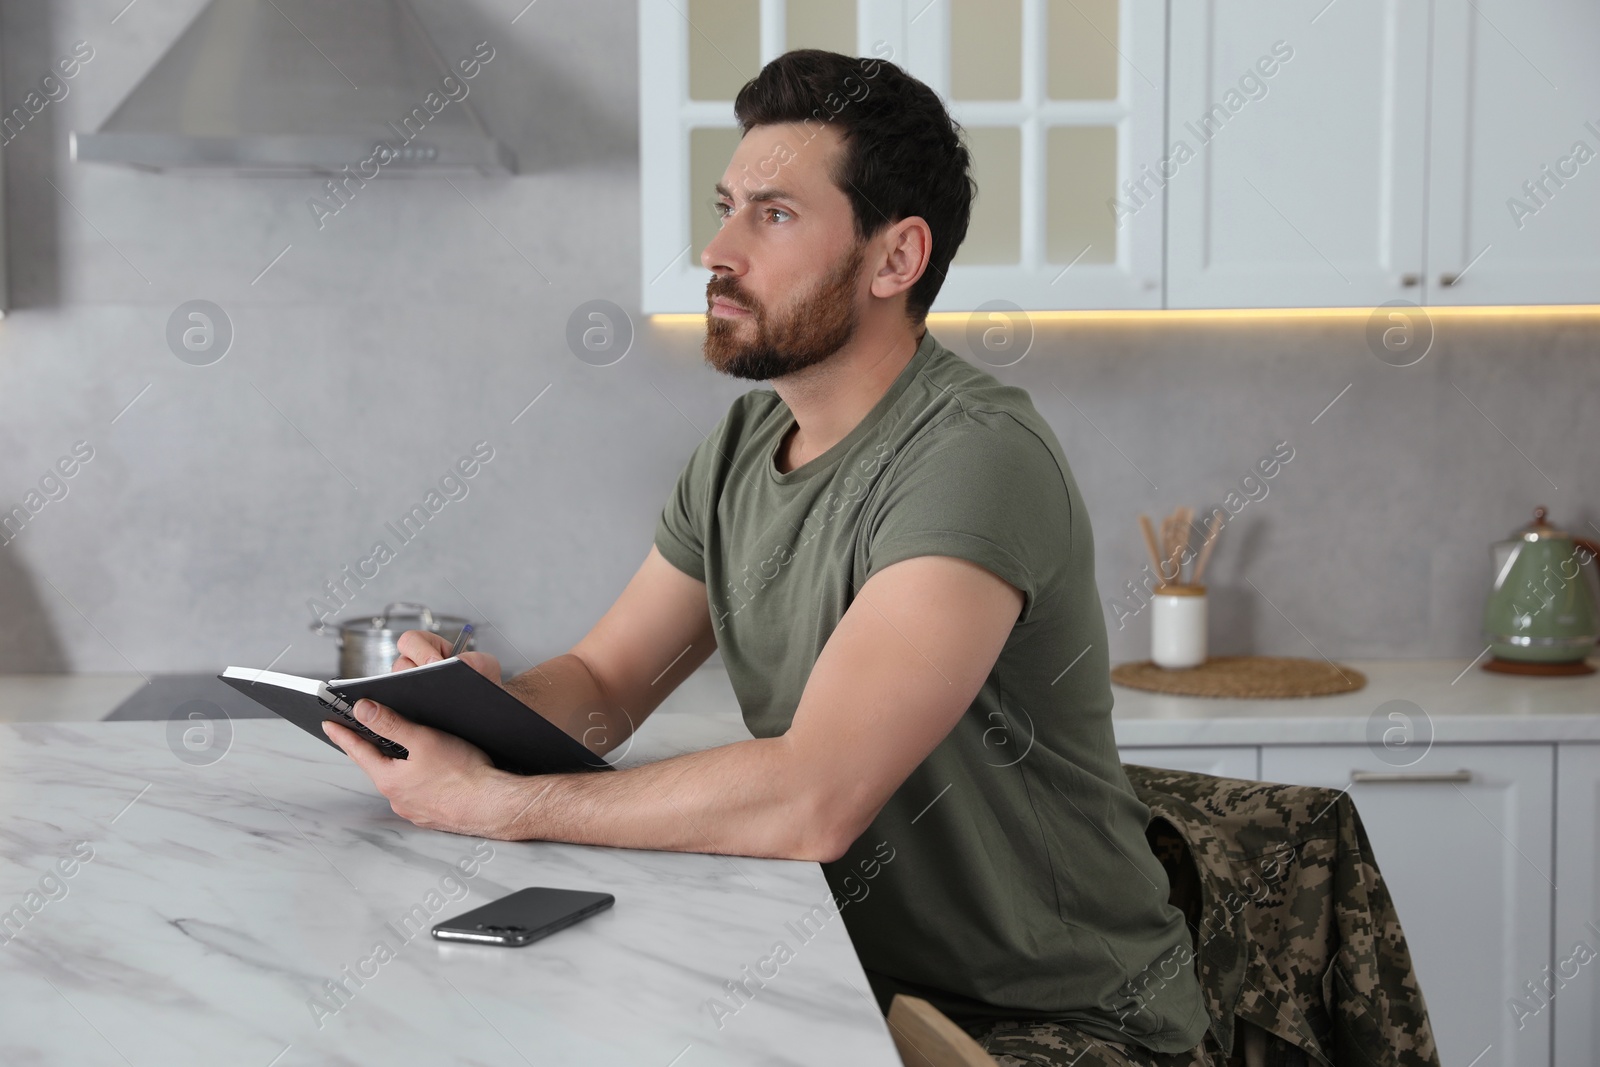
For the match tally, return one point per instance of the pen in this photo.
(461, 639)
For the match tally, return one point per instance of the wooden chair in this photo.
(925, 1036)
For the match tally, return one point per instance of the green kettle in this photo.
(1541, 608)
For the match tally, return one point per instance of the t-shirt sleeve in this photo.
(680, 536)
(989, 493)
(682, 525)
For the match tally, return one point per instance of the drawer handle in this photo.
(1408, 776)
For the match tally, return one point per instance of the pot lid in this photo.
(401, 616)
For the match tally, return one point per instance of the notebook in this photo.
(447, 695)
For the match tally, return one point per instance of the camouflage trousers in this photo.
(1299, 951)
(1019, 1044)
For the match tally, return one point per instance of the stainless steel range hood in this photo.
(297, 87)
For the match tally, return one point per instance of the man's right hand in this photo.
(423, 646)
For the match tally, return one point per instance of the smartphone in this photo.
(523, 917)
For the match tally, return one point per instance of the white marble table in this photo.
(221, 897)
(218, 900)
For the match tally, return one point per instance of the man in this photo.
(891, 554)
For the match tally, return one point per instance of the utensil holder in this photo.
(1178, 626)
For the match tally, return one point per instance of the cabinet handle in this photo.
(1409, 776)
(1410, 281)
(1449, 279)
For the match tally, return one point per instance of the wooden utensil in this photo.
(1174, 546)
(1213, 528)
(1150, 542)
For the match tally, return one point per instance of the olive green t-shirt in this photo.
(1009, 876)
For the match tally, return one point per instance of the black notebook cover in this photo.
(447, 695)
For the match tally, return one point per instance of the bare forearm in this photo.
(564, 691)
(743, 799)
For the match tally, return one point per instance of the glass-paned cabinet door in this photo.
(1060, 102)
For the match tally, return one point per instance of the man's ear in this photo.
(908, 246)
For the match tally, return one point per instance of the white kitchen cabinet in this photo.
(1576, 969)
(1514, 174)
(1061, 103)
(1235, 761)
(1206, 154)
(1296, 153)
(1350, 177)
(1463, 839)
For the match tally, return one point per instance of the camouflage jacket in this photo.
(1294, 931)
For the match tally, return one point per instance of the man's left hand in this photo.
(446, 784)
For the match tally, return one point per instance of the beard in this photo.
(761, 346)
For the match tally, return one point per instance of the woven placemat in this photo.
(1265, 677)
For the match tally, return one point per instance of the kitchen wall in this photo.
(371, 354)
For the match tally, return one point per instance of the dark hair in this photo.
(903, 154)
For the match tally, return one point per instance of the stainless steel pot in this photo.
(367, 645)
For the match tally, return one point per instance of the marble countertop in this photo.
(1459, 702)
(63, 697)
(180, 910)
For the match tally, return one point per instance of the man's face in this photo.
(786, 257)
